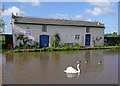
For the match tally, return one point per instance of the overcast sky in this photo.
(104, 12)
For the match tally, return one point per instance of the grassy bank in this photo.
(62, 49)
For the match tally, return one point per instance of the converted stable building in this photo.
(42, 30)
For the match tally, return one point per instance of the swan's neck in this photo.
(78, 68)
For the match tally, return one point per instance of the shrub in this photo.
(52, 43)
(43, 49)
(16, 46)
(81, 46)
(23, 41)
(57, 39)
(26, 46)
(71, 48)
(60, 45)
(76, 44)
(36, 44)
(17, 50)
(48, 49)
(65, 44)
(65, 48)
(78, 47)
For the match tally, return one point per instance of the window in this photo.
(44, 28)
(87, 29)
(77, 36)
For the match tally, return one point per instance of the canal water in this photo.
(97, 67)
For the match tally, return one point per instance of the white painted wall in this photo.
(67, 33)
(98, 32)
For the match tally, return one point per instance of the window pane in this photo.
(44, 28)
(77, 36)
(87, 29)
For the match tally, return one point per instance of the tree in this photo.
(114, 34)
(2, 22)
(57, 39)
(22, 40)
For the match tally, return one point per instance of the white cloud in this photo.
(34, 2)
(60, 16)
(100, 3)
(78, 17)
(101, 8)
(89, 19)
(13, 10)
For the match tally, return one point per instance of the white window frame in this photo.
(44, 28)
(77, 36)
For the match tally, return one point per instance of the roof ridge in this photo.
(56, 19)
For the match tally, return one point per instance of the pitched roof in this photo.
(51, 21)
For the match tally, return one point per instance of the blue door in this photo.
(44, 41)
(87, 39)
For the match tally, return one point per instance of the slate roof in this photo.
(51, 21)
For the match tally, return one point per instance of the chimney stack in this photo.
(16, 14)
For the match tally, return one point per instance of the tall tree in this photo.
(2, 23)
(114, 34)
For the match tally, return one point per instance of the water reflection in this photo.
(40, 68)
(9, 57)
(72, 75)
(87, 57)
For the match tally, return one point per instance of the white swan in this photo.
(72, 70)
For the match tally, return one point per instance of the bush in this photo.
(65, 44)
(81, 46)
(36, 44)
(71, 48)
(60, 46)
(65, 48)
(17, 50)
(78, 47)
(57, 39)
(76, 44)
(48, 49)
(26, 46)
(16, 46)
(52, 43)
(43, 49)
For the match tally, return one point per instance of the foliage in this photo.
(36, 44)
(76, 44)
(65, 44)
(57, 39)
(26, 46)
(114, 34)
(66, 48)
(2, 25)
(52, 43)
(2, 38)
(24, 42)
(2, 22)
(17, 50)
(95, 40)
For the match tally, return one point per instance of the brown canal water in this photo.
(101, 67)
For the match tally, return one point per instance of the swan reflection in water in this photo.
(71, 75)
